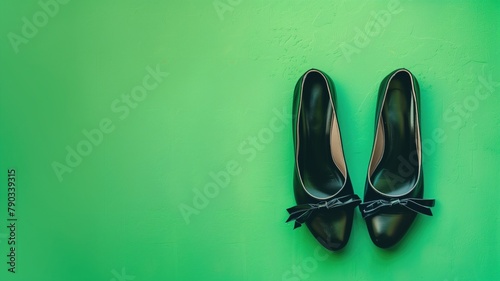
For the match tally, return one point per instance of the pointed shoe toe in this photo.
(386, 230)
(332, 228)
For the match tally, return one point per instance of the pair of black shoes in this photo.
(394, 184)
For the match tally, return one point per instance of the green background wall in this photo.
(187, 171)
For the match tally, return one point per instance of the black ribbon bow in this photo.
(417, 205)
(301, 213)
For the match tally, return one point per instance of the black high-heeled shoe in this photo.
(395, 184)
(321, 184)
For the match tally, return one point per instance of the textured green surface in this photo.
(224, 107)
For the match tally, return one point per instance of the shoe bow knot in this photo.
(417, 205)
(301, 213)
